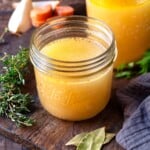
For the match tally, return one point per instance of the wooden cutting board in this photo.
(50, 133)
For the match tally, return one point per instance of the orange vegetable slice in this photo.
(37, 23)
(40, 14)
(64, 10)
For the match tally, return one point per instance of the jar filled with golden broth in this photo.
(73, 62)
(130, 22)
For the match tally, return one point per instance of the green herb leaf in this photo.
(109, 137)
(136, 68)
(86, 143)
(93, 140)
(13, 103)
(76, 140)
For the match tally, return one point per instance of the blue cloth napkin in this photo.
(135, 100)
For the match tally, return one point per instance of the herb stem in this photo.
(2, 35)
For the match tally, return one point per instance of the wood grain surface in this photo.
(50, 133)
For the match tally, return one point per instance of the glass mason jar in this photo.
(77, 88)
(130, 22)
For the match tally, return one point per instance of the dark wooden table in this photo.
(111, 117)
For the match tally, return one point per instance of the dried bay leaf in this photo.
(98, 138)
(109, 137)
(93, 140)
(76, 140)
(85, 143)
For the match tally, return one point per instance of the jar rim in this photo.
(115, 5)
(72, 17)
(99, 59)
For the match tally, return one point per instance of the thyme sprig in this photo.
(14, 104)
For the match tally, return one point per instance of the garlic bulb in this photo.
(20, 21)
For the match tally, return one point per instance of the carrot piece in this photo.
(37, 23)
(40, 14)
(64, 10)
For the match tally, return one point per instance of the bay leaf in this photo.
(93, 140)
(109, 137)
(76, 140)
(85, 143)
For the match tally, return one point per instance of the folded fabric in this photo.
(135, 100)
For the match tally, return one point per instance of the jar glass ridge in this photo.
(66, 76)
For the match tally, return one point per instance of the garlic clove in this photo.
(20, 20)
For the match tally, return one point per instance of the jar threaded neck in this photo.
(73, 26)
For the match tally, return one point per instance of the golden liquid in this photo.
(130, 23)
(74, 98)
